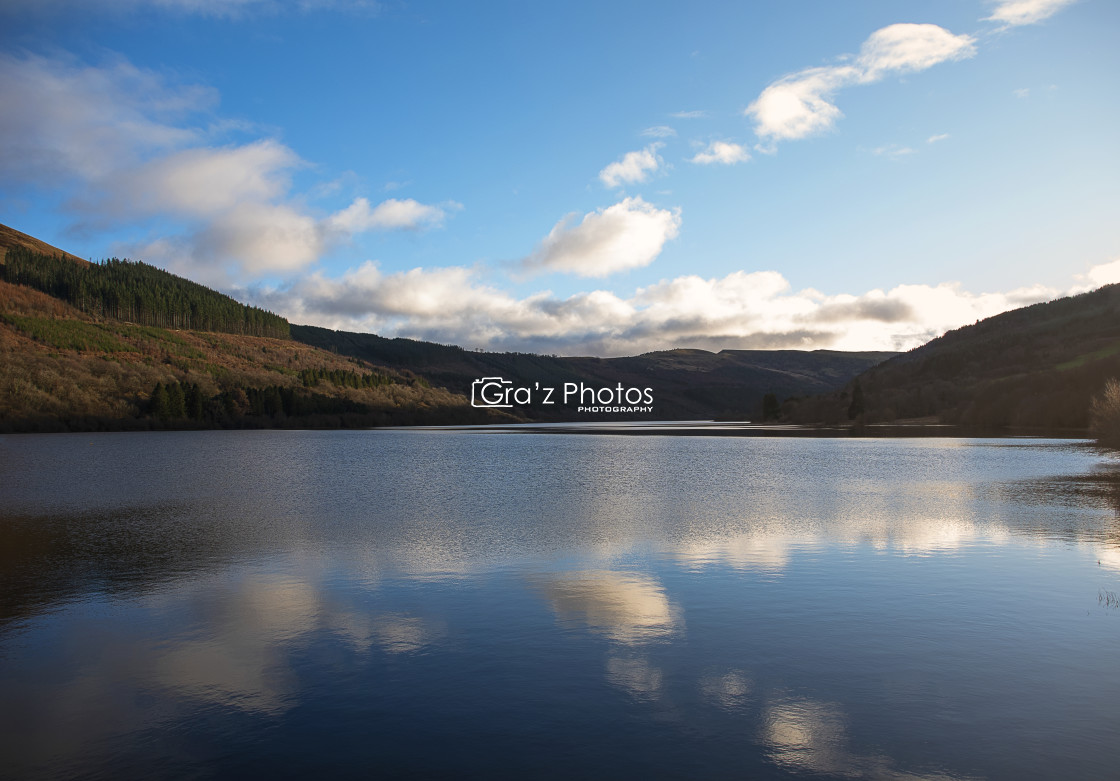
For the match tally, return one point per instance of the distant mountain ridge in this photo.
(686, 383)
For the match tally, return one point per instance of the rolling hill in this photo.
(1032, 368)
(70, 368)
(686, 383)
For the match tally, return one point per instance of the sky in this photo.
(582, 178)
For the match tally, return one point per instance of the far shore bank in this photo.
(714, 428)
(690, 428)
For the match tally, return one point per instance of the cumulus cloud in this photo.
(722, 152)
(1103, 274)
(630, 234)
(196, 182)
(392, 214)
(77, 123)
(742, 310)
(253, 238)
(801, 104)
(907, 48)
(893, 151)
(1013, 13)
(130, 146)
(633, 167)
(262, 237)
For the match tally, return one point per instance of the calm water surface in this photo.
(427, 604)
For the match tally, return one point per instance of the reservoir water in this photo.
(427, 604)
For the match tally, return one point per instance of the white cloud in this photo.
(722, 152)
(262, 238)
(252, 238)
(392, 214)
(1102, 274)
(689, 115)
(127, 146)
(630, 234)
(907, 48)
(939, 137)
(249, 240)
(79, 123)
(196, 182)
(1014, 13)
(801, 104)
(893, 151)
(659, 131)
(633, 167)
(1022, 92)
(742, 310)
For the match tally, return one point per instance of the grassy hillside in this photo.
(1035, 367)
(10, 237)
(686, 383)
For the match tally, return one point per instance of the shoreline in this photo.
(713, 428)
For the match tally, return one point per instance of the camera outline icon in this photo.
(478, 388)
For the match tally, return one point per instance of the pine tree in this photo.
(855, 409)
(157, 405)
(176, 403)
(194, 401)
(771, 408)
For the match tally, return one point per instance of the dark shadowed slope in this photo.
(686, 383)
(1035, 367)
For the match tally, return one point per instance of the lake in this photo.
(522, 605)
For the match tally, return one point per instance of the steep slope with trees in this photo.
(1037, 367)
(64, 370)
(137, 293)
(82, 348)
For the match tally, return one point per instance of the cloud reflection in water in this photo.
(625, 607)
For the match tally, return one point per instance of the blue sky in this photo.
(582, 178)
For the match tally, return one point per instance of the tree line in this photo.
(136, 292)
(184, 405)
(184, 401)
(342, 378)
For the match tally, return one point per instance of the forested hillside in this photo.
(1036, 367)
(122, 345)
(64, 370)
(137, 293)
